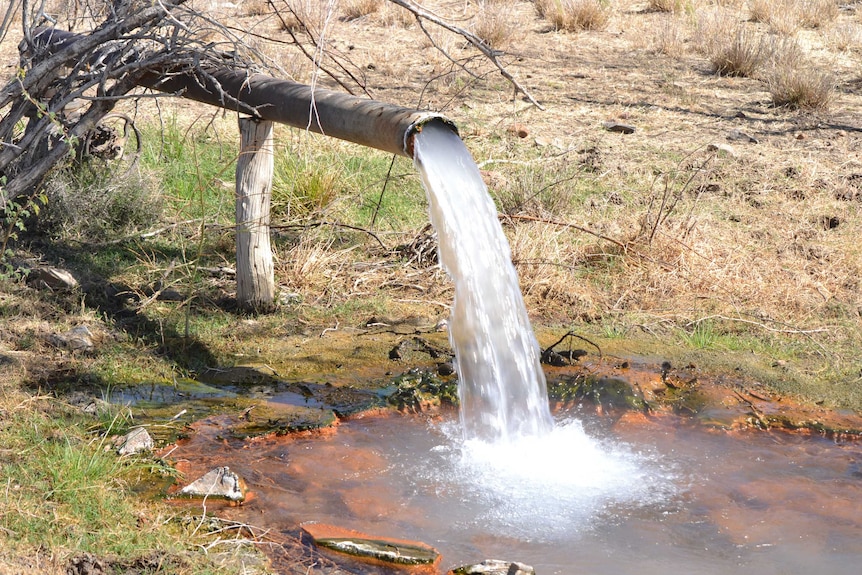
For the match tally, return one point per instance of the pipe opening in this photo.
(416, 127)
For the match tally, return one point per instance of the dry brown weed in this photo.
(354, 9)
(670, 37)
(575, 15)
(495, 23)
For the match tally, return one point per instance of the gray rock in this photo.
(739, 135)
(79, 338)
(136, 441)
(495, 567)
(611, 126)
(220, 482)
(51, 278)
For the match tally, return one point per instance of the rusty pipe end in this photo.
(416, 127)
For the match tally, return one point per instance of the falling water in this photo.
(501, 384)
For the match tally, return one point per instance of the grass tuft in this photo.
(355, 9)
(495, 23)
(795, 83)
(816, 13)
(740, 53)
(575, 15)
(670, 6)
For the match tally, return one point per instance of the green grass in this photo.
(313, 179)
(195, 167)
(66, 492)
(702, 335)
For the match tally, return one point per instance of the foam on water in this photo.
(501, 384)
(541, 488)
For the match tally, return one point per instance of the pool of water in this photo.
(634, 496)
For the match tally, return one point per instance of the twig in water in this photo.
(337, 324)
(548, 352)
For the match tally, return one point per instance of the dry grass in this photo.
(314, 268)
(575, 15)
(296, 15)
(355, 9)
(256, 7)
(804, 87)
(761, 10)
(672, 6)
(495, 23)
(788, 16)
(816, 13)
(781, 16)
(670, 36)
(794, 82)
(394, 15)
(739, 53)
(844, 37)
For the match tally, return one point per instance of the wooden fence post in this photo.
(255, 277)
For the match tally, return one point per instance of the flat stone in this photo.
(739, 135)
(51, 278)
(78, 338)
(220, 482)
(362, 546)
(136, 441)
(618, 127)
(494, 567)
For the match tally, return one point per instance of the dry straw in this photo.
(575, 15)
(795, 82)
(355, 9)
(495, 23)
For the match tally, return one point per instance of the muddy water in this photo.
(636, 495)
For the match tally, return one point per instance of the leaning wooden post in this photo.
(255, 278)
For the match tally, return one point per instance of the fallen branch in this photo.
(550, 356)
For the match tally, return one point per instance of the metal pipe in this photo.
(363, 121)
(359, 120)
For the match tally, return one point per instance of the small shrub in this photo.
(355, 9)
(575, 15)
(816, 13)
(494, 23)
(792, 81)
(670, 37)
(741, 54)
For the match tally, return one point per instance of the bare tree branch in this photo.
(492, 55)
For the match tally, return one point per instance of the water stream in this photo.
(501, 385)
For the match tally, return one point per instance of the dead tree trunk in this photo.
(255, 277)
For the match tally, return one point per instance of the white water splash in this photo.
(501, 384)
(544, 488)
